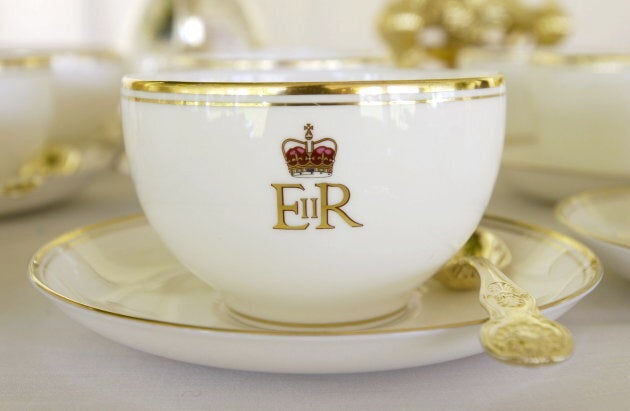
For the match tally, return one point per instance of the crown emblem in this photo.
(309, 158)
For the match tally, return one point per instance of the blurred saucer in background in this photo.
(54, 174)
(602, 219)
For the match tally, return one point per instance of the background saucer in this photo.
(602, 219)
(53, 186)
(118, 279)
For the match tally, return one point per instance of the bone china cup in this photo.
(314, 198)
(582, 114)
(86, 91)
(25, 109)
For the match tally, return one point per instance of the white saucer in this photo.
(95, 158)
(118, 279)
(602, 219)
(529, 170)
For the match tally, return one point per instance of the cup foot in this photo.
(262, 323)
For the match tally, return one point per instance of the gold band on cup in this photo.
(298, 104)
(26, 61)
(368, 87)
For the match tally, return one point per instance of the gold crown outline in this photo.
(309, 158)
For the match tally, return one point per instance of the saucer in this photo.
(55, 174)
(602, 219)
(118, 279)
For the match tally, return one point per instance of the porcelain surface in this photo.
(579, 140)
(118, 279)
(530, 169)
(26, 93)
(581, 111)
(214, 170)
(85, 82)
(515, 64)
(261, 59)
(602, 219)
(67, 100)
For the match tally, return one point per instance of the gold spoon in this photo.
(482, 243)
(516, 331)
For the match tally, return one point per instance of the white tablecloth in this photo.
(49, 362)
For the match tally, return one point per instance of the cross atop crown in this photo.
(309, 131)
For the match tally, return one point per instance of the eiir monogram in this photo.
(324, 207)
(311, 159)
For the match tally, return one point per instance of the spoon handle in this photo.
(498, 294)
(516, 331)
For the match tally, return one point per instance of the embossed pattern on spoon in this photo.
(516, 331)
(482, 243)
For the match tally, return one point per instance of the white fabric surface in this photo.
(49, 362)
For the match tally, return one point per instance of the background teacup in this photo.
(581, 140)
(515, 63)
(582, 111)
(314, 198)
(86, 91)
(261, 59)
(69, 128)
(25, 112)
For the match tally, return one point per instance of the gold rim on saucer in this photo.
(367, 87)
(588, 198)
(589, 263)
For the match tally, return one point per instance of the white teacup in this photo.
(262, 59)
(582, 110)
(86, 91)
(25, 111)
(314, 198)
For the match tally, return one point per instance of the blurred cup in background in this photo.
(26, 107)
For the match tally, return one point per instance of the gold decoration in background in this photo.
(419, 31)
(53, 159)
(66, 162)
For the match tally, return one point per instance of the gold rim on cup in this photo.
(27, 61)
(366, 87)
